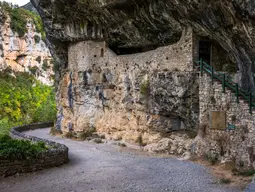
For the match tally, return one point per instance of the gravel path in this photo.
(109, 168)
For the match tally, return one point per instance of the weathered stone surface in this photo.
(234, 143)
(21, 54)
(135, 97)
(141, 97)
(137, 24)
(175, 144)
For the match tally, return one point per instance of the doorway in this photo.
(205, 51)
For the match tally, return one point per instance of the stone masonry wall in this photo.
(56, 155)
(236, 143)
(131, 97)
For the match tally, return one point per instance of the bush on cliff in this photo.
(24, 100)
(19, 18)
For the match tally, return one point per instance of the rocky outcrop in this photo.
(149, 23)
(141, 97)
(138, 98)
(25, 54)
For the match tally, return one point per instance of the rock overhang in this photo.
(144, 25)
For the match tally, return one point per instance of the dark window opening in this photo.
(102, 52)
(205, 51)
(132, 50)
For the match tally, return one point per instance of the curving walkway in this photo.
(109, 168)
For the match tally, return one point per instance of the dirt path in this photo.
(110, 168)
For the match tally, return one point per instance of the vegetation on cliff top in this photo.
(20, 17)
(24, 100)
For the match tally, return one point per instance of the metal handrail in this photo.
(227, 81)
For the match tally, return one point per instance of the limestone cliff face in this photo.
(151, 23)
(25, 54)
(134, 26)
(125, 67)
(145, 95)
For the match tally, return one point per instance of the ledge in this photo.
(56, 155)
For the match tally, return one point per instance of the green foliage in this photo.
(34, 70)
(144, 89)
(24, 100)
(19, 149)
(225, 180)
(37, 38)
(19, 18)
(18, 21)
(246, 173)
(5, 125)
(45, 65)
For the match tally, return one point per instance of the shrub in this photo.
(144, 88)
(225, 180)
(19, 149)
(37, 39)
(24, 100)
(246, 173)
(33, 70)
(18, 21)
(45, 65)
(19, 18)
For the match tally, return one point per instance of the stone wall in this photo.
(56, 155)
(129, 96)
(234, 141)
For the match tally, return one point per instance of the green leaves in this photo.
(24, 100)
(19, 149)
(20, 17)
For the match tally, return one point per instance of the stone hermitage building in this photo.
(156, 99)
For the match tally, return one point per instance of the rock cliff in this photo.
(125, 67)
(135, 25)
(26, 53)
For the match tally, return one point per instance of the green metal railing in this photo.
(227, 82)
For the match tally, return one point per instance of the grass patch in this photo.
(246, 173)
(20, 149)
(225, 180)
